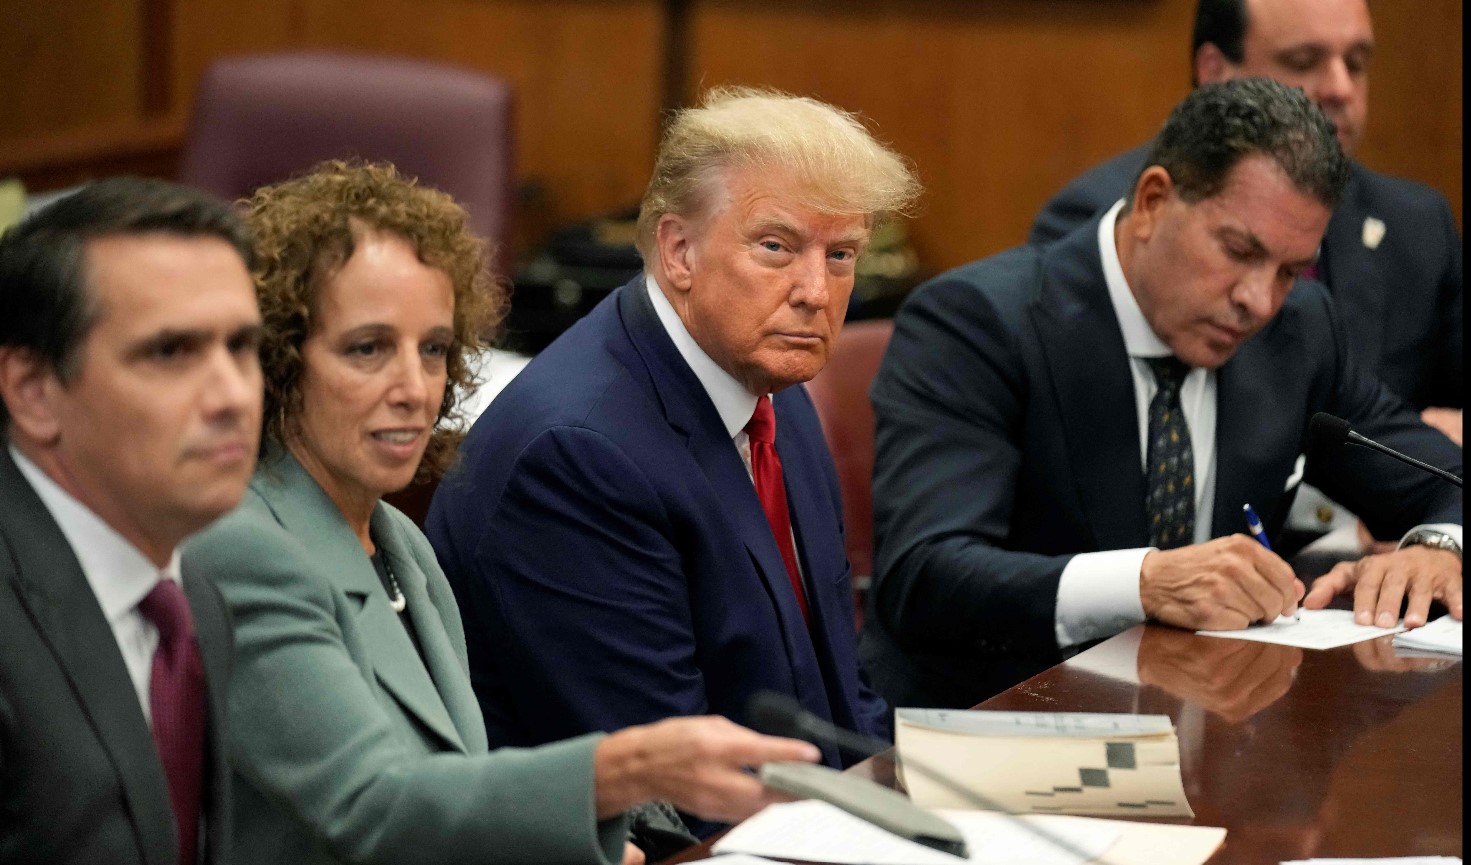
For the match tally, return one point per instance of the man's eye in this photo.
(771, 245)
(170, 350)
(841, 255)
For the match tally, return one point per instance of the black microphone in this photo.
(1325, 429)
(781, 715)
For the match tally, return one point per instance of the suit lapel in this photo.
(1258, 428)
(1092, 388)
(689, 410)
(304, 510)
(214, 637)
(451, 685)
(1351, 265)
(61, 603)
(817, 543)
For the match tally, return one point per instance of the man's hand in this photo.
(699, 764)
(1381, 582)
(1224, 584)
(1447, 420)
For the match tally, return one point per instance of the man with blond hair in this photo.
(648, 522)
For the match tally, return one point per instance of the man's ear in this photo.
(674, 244)
(29, 385)
(1154, 190)
(1211, 65)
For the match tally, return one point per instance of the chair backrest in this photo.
(261, 119)
(840, 394)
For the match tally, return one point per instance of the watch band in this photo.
(1431, 538)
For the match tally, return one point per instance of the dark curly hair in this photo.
(306, 229)
(1219, 125)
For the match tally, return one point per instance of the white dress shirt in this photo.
(733, 402)
(119, 574)
(1098, 593)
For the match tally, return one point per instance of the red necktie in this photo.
(772, 491)
(176, 698)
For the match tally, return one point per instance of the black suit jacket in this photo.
(1008, 441)
(80, 778)
(1400, 300)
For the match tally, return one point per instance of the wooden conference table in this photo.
(1347, 752)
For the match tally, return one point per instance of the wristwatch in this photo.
(1431, 538)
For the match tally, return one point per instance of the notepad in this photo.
(1442, 636)
(1108, 765)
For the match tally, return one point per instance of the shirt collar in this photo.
(732, 401)
(1139, 339)
(119, 574)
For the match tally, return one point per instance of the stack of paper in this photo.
(1442, 635)
(1043, 762)
(818, 832)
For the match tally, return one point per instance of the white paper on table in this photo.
(1316, 629)
(1442, 635)
(818, 832)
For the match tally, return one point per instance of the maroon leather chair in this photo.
(840, 394)
(261, 119)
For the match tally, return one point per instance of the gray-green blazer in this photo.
(345, 747)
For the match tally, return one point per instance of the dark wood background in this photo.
(998, 102)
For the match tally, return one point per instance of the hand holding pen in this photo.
(1258, 531)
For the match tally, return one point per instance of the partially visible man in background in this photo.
(1391, 256)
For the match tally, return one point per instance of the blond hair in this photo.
(837, 166)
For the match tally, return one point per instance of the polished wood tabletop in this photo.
(1354, 751)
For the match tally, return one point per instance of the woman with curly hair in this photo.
(355, 735)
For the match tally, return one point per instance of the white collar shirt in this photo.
(118, 573)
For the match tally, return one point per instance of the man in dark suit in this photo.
(619, 534)
(1391, 255)
(1067, 434)
(130, 395)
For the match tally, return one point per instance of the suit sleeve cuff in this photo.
(1098, 596)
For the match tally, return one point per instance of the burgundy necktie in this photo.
(176, 698)
(772, 491)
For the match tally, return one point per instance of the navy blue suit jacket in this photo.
(1400, 301)
(1008, 441)
(610, 556)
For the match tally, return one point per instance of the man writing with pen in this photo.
(1067, 434)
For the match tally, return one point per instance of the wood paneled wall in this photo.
(998, 102)
(68, 64)
(1001, 102)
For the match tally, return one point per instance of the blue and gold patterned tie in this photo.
(1169, 476)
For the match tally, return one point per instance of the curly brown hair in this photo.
(306, 229)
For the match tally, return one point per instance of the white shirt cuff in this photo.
(1098, 596)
